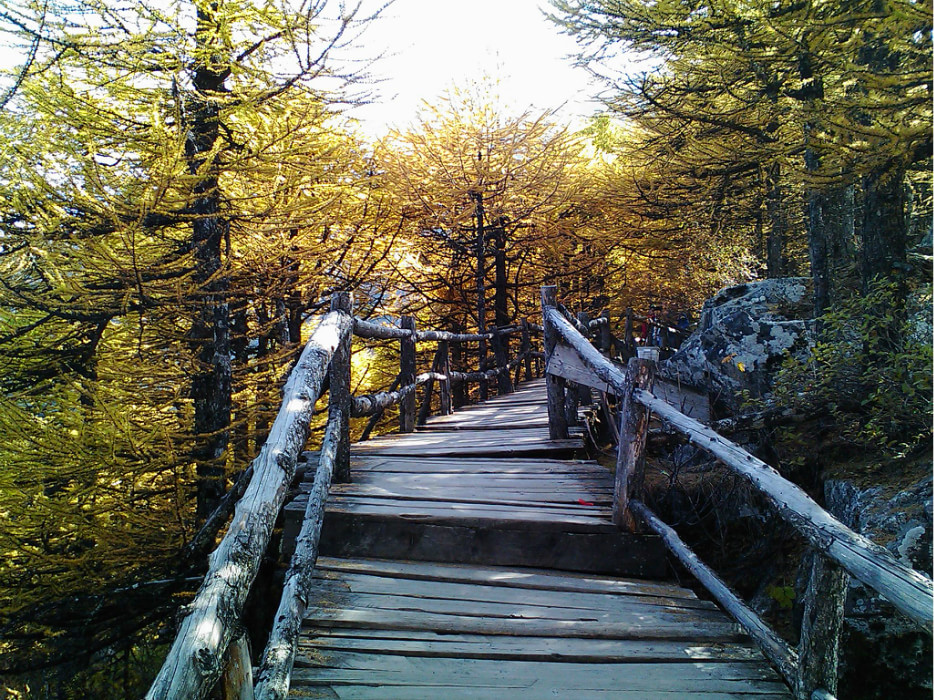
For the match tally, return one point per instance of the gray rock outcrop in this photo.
(884, 655)
(744, 333)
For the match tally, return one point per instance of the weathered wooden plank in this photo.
(465, 592)
(530, 579)
(477, 691)
(506, 447)
(498, 425)
(543, 649)
(415, 671)
(537, 480)
(653, 628)
(471, 465)
(333, 596)
(501, 497)
(688, 401)
(498, 543)
(474, 514)
(487, 438)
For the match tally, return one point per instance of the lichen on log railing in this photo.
(193, 664)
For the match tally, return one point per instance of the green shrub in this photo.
(871, 369)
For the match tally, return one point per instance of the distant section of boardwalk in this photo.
(476, 558)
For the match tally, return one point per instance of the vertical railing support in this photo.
(501, 356)
(459, 389)
(629, 342)
(237, 681)
(822, 623)
(339, 396)
(630, 458)
(557, 421)
(444, 367)
(606, 335)
(407, 375)
(584, 396)
(527, 349)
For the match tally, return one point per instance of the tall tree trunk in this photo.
(812, 92)
(775, 238)
(501, 283)
(883, 234)
(841, 232)
(293, 294)
(481, 288)
(210, 330)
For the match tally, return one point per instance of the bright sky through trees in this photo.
(431, 45)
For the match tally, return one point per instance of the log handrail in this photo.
(213, 624)
(910, 591)
(193, 665)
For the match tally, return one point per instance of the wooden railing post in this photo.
(237, 681)
(501, 355)
(629, 342)
(339, 397)
(526, 349)
(407, 375)
(630, 458)
(606, 335)
(582, 392)
(819, 645)
(459, 389)
(444, 367)
(557, 421)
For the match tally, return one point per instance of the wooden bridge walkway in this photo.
(476, 558)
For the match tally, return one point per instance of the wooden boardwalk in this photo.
(476, 558)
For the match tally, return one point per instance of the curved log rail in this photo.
(811, 669)
(210, 631)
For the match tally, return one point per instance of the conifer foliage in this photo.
(171, 173)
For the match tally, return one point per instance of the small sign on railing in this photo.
(648, 352)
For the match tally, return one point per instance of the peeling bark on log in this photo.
(193, 664)
(819, 648)
(275, 671)
(368, 329)
(237, 682)
(371, 404)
